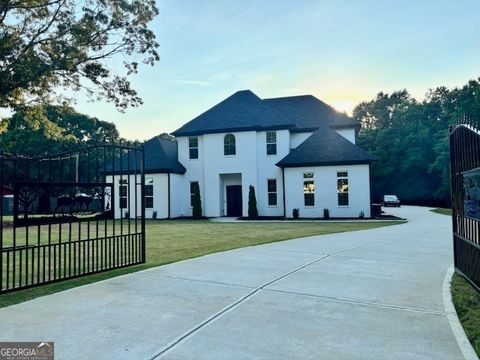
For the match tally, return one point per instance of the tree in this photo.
(252, 203)
(409, 140)
(50, 44)
(53, 129)
(197, 202)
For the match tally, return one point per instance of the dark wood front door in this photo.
(234, 200)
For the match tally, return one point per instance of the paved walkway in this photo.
(374, 294)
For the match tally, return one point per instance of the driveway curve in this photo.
(372, 294)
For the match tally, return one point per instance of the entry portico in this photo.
(231, 203)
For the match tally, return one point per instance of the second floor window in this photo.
(271, 143)
(229, 147)
(193, 147)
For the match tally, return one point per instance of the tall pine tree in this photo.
(252, 203)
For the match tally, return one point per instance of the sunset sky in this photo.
(343, 52)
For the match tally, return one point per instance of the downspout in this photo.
(283, 187)
(168, 195)
(371, 192)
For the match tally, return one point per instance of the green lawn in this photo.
(467, 303)
(443, 211)
(175, 240)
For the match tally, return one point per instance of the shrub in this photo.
(296, 213)
(197, 202)
(126, 214)
(361, 215)
(252, 203)
(326, 213)
(154, 215)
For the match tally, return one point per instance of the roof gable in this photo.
(325, 147)
(161, 156)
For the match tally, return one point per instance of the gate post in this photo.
(1, 219)
(452, 189)
(142, 194)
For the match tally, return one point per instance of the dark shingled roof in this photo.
(242, 111)
(325, 147)
(245, 111)
(161, 156)
(308, 112)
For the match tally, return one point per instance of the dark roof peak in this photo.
(246, 92)
(325, 147)
(242, 111)
(161, 156)
(245, 111)
(306, 97)
(292, 97)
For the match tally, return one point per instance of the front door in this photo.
(234, 200)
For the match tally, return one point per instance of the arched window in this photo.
(229, 147)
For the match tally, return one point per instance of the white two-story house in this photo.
(297, 152)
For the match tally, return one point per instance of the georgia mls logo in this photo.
(26, 350)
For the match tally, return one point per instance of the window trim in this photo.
(230, 144)
(272, 192)
(149, 196)
(307, 177)
(343, 175)
(190, 148)
(271, 142)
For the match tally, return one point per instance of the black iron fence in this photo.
(465, 183)
(70, 214)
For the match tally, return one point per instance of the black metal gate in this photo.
(70, 214)
(465, 182)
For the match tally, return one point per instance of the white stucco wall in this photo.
(348, 134)
(195, 172)
(298, 138)
(216, 163)
(177, 196)
(251, 166)
(326, 191)
(160, 196)
(266, 169)
(214, 171)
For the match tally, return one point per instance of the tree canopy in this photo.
(409, 140)
(46, 45)
(53, 129)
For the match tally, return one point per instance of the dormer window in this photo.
(229, 147)
(193, 147)
(271, 143)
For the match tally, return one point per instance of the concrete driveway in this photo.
(374, 294)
